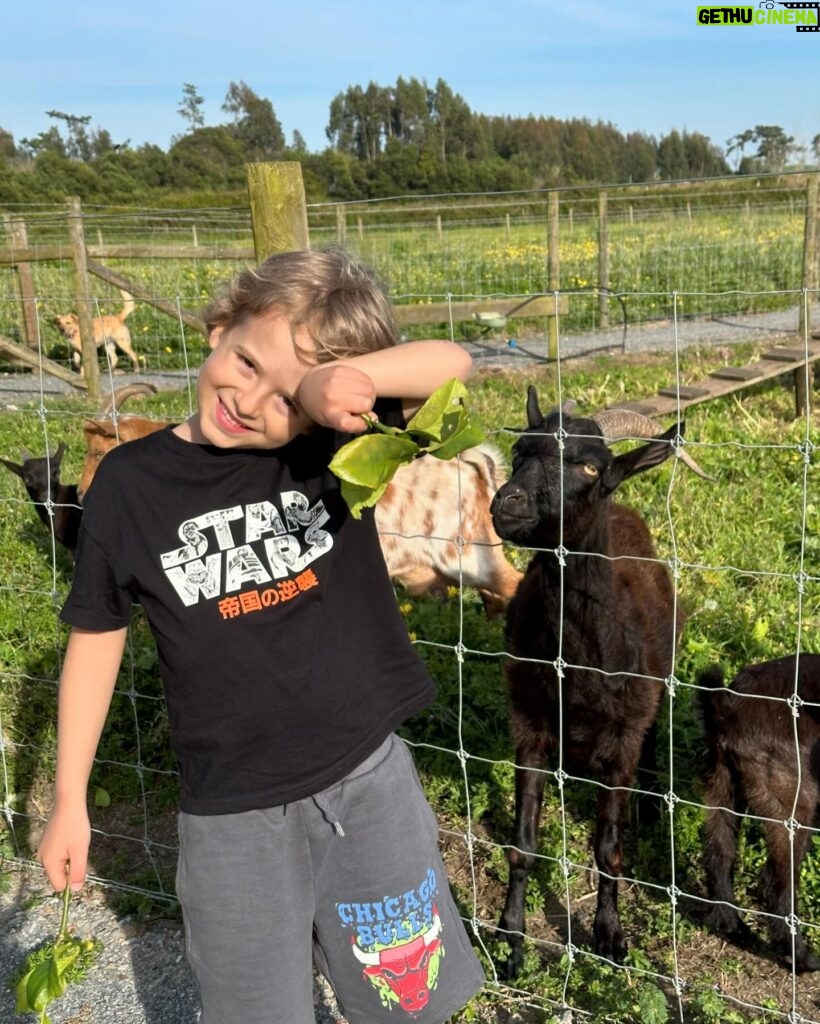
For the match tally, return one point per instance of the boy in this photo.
(304, 833)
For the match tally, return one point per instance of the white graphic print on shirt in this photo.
(226, 549)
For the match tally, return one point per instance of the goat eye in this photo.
(590, 470)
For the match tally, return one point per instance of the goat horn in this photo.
(121, 394)
(617, 424)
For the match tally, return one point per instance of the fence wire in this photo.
(687, 969)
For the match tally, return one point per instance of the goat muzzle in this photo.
(512, 511)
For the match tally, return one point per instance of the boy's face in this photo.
(247, 387)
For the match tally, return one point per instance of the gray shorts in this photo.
(350, 879)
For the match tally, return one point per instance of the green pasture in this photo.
(746, 555)
(714, 262)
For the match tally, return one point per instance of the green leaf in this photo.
(652, 1005)
(32, 989)
(65, 954)
(439, 415)
(102, 798)
(468, 434)
(366, 466)
(358, 497)
(55, 965)
(372, 459)
(442, 427)
(56, 979)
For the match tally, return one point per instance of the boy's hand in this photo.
(336, 395)
(63, 849)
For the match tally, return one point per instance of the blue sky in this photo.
(644, 66)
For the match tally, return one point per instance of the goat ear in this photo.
(58, 455)
(644, 457)
(96, 427)
(12, 466)
(534, 417)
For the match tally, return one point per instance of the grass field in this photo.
(730, 260)
(747, 557)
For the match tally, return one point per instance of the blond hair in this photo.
(327, 293)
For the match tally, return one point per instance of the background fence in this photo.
(750, 245)
(745, 548)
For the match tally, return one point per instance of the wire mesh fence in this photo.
(743, 553)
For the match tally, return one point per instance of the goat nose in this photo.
(508, 499)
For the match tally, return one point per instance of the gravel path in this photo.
(141, 976)
(503, 349)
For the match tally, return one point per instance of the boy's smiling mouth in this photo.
(227, 421)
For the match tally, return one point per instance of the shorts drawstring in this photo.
(328, 815)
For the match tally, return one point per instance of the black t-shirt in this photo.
(283, 654)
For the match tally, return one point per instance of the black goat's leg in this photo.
(529, 794)
(607, 930)
(649, 803)
(776, 882)
(720, 850)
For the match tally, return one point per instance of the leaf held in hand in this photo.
(441, 413)
(467, 434)
(442, 427)
(52, 968)
(372, 459)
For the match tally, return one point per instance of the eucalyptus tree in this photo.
(255, 124)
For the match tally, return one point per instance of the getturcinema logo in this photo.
(804, 16)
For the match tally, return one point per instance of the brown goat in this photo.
(764, 759)
(426, 508)
(104, 434)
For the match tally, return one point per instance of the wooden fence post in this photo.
(16, 237)
(341, 223)
(82, 296)
(603, 261)
(553, 269)
(278, 208)
(809, 277)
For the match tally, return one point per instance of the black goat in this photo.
(41, 476)
(760, 764)
(609, 622)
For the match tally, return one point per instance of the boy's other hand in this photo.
(336, 395)
(63, 849)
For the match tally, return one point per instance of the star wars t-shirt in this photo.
(283, 654)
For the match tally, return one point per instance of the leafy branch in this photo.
(442, 427)
(51, 969)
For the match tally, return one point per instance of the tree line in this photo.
(399, 139)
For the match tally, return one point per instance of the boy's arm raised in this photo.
(413, 369)
(336, 394)
(92, 661)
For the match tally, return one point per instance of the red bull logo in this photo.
(405, 974)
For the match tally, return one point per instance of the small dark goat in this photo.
(41, 476)
(755, 766)
(612, 622)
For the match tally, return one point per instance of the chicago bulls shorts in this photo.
(350, 879)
